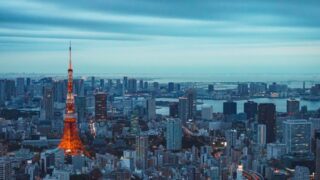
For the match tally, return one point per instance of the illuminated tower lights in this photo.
(71, 143)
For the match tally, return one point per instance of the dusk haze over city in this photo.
(157, 90)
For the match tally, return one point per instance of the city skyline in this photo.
(161, 37)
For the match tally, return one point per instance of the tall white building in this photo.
(262, 134)
(206, 112)
(142, 146)
(231, 137)
(174, 134)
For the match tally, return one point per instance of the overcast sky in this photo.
(160, 36)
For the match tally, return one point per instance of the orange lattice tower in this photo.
(71, 142)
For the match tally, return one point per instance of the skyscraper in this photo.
(93, 83)
(71, 143)
(191, 95)
(78, 85)
(100, 106)
(229, 108)
(59, 91)
(145, 86)
(20, 86)
(174, 134)
(231, 138)
(170, 86)
(297, 136)
(173, 109)
(125, 83)
(183, 109)
(81, 108)
(267, 116)
(2, 91)
(47, 102)
(141, 84)
(262, 134)
(251, 109)
(132, 86)
(151, 108)
(102, 84)
(293, 106)
(142, 146)
(110, 83)
(10, 89)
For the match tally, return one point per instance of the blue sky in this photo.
(160, 36)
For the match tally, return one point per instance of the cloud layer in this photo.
(121, 33)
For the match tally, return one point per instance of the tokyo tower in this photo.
(71, 143)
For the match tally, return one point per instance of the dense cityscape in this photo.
(97, 128)
(159, 90)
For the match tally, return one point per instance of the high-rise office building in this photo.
(191, 95)
(60, 92)
(250, 109)
(229, 108)
(2, 91)
(243, 89)
(10, 89)
(110, 83)
(100, 106)
(81, 108)
(141, 84)
(20, 86)
(47, 103)
(142, 146)
(231, 138)
(170, 86)
(262, 134)
(125, 83)
(78, 87)
(173, 109)
(102, 84)
(173, 134)
(206, 112)
(146, 85)
(183, 109)
(293, 106)
(178, 87)
(267, 116)
(151, 108)
(93, 83)
(156, 86)
(132, 86)
(297, 136)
